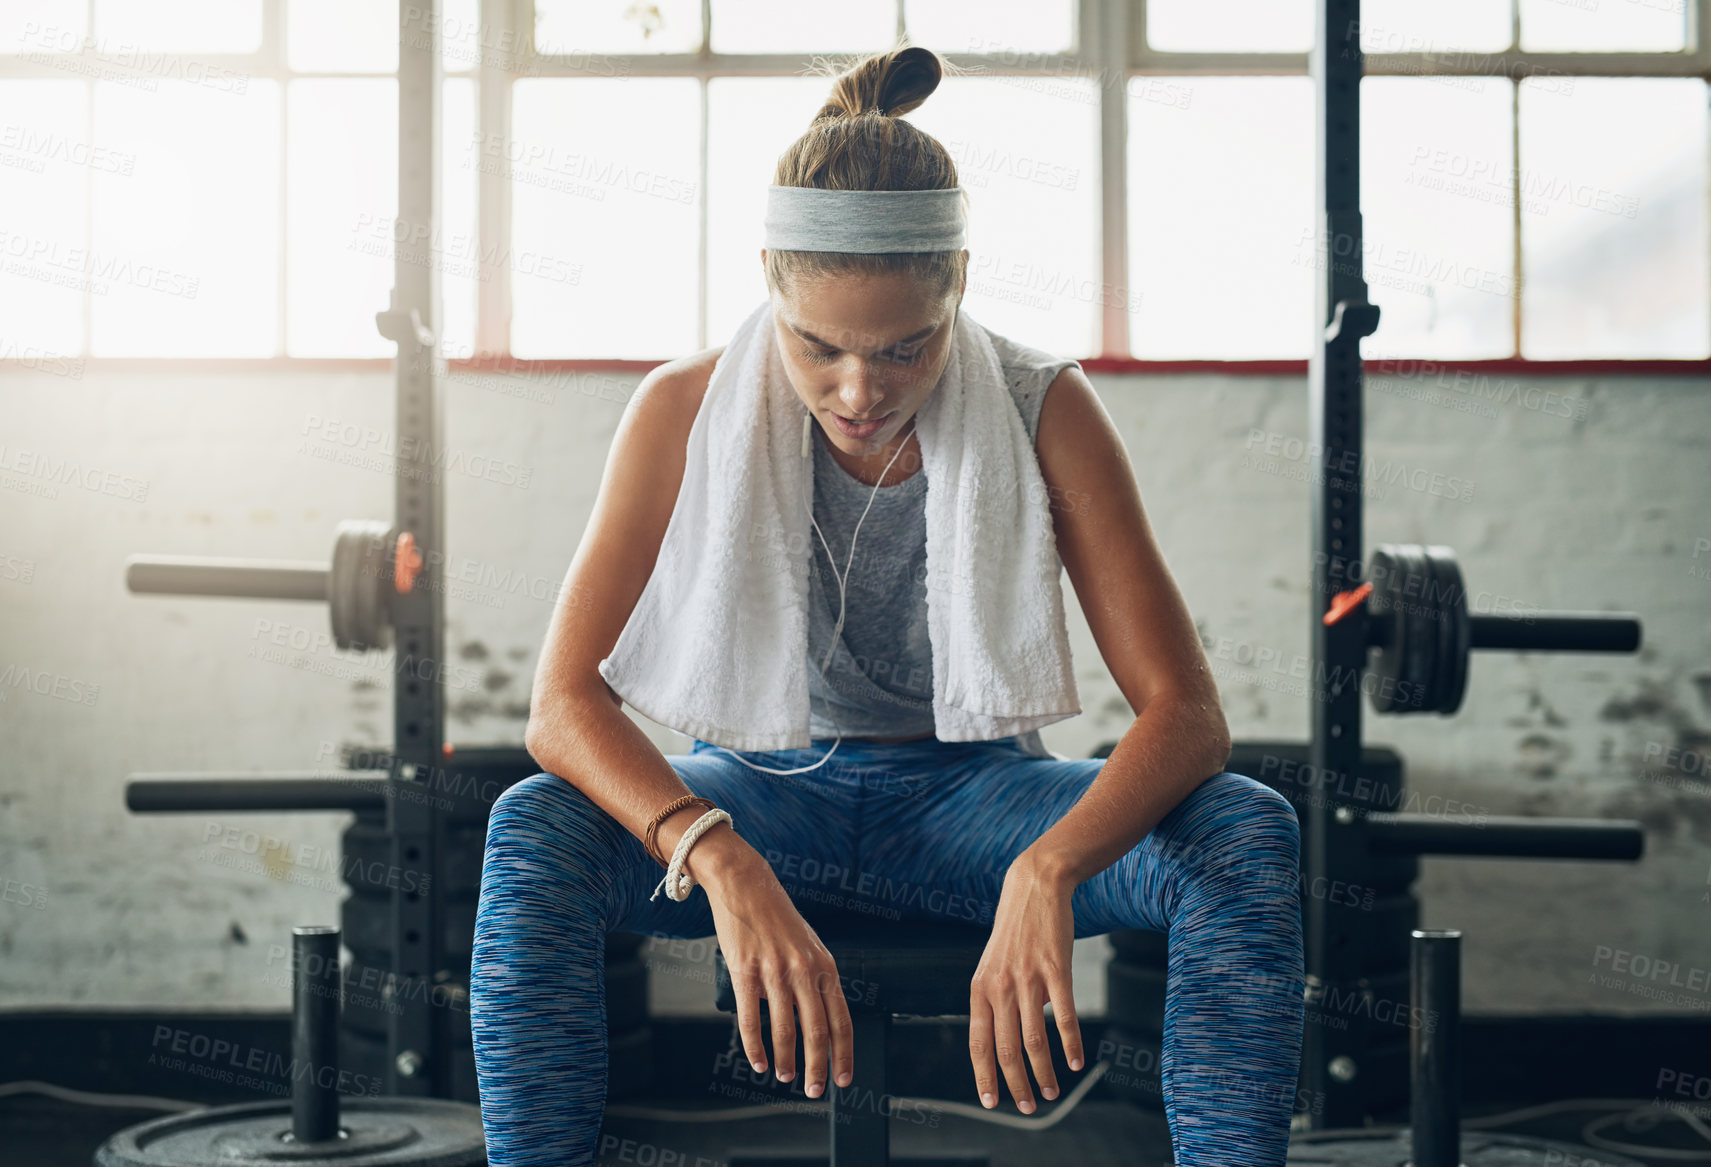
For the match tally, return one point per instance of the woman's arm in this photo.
(578, 730)
(1145, 634)
(577, 727)
(1177, 740)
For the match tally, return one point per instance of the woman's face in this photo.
(863, 348)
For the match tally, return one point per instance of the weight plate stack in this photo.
(370, 998)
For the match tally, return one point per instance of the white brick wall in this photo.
(106, 908)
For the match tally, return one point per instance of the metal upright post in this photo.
(315, 990)
(1333, 832)
(416, 1044)
(1434, 1047)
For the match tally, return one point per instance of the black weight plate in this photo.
(1133, 1064)
(629, 1063)
(1134, 996)
(623, 945)
(374, 1132)
(1138, 944)
(1478, 1149)
(1419, 665)
(368, 868)
(1459, 637)
(1385, 931)
(367, 924)
(1385, 611)
(368, 1005)
(365, 1054)
(1388, 874)
(1443, 604)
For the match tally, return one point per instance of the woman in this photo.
(1042, 848)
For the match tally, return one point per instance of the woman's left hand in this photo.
(1026, 963)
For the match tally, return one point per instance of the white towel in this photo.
(717, 646)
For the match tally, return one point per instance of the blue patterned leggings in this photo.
(913, 830)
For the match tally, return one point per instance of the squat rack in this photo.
(386, 579)
(1352, 612)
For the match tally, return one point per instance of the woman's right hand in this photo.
(771, 952)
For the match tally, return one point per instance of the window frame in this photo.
(1116, 49)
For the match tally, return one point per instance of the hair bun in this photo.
(888, 84)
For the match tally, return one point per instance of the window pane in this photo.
(795, 26)
(191, 26)
(1610, 27)
(1413, 26)
(341, 206)
(1028, 155)
(459, 177)
(750, 122)
(1437, 198)
(1230, 26)
(1618, 265)
(461, 38)
(603, 256)
(185, 254)
(995, 26)
(42, 26)
(576, 27)
(47, 155)
(342, 36)
(1221, 228)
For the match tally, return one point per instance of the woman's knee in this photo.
(546, 815)
(1246, 835)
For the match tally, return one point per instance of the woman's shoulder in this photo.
(1028, 373)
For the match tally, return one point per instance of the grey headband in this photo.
(803, 218)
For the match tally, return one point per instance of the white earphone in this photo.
(837, 630)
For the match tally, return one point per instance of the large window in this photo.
(217, 178)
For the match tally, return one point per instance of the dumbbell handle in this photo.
(254, 579)
(1556, 631)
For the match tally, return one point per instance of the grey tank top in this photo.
(879, 682)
